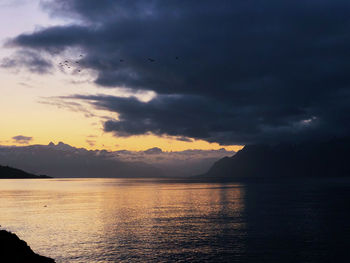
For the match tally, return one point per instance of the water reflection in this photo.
(172, 222)
(298, 221)
(116, 220)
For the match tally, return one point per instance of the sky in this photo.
(193, 74)
(30, 95)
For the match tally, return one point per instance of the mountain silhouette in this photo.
(7, 172)
(327, 158)
(63, 160)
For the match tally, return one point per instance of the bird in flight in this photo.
(151, 60)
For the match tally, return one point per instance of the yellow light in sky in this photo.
(29, 108)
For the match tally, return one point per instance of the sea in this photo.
(148, 220)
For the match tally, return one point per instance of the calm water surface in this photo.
(119, 220)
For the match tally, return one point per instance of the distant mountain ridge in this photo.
(62, 160)
(329, 158)
(7, 172)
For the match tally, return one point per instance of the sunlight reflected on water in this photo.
(116, 220)
(133, 220)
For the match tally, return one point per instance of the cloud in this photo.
(33, 61)
(233, 72)
(154, 150)
(184, 139)
(22, 139)
(91, 142)
(68, 105)
(10, 3)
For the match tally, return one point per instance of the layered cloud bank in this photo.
(233, 72)
(62, 160)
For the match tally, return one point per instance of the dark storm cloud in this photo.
(30, 60)
(22, 139)
(183, 139)
(224, 71)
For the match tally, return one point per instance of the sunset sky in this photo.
(30, 102)
(196, 76)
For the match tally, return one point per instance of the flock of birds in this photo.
(68, 64)
(72, 64)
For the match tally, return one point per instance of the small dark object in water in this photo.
(14, 250)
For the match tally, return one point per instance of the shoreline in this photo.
(15, 250)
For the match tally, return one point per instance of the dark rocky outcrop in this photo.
(15, 250)
(7, 172)
(330, 158)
